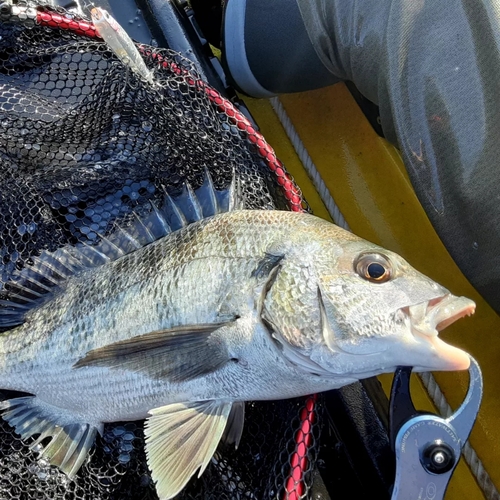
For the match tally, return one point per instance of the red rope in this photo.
(55, 20)
(294, 486)
(290, 189)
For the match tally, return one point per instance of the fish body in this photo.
(247, 305)
(120, 43)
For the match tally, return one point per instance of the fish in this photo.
(240, 306)
(120, 43)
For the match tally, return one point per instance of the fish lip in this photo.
(426, 320)
(430, 317)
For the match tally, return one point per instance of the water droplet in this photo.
(147, 126)
(32, 227)
(21, 229)
(475, 245)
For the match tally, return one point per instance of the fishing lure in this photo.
(120, 43)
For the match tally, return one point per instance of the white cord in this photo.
(476, 466)
(470, 456)
(308, 164)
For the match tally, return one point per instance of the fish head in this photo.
(377, 312)
(374, 312)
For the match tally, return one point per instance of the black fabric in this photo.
(209, 18)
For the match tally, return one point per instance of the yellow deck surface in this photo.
(368, 181)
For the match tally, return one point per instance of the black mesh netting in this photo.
(85, 143)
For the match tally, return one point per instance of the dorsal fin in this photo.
(37, 282)
(189, 205)
(232, 199)
(207, 196)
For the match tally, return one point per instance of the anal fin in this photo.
(180, 439)
(234, 428)
(70, 441)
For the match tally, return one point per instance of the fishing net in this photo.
(85, 143)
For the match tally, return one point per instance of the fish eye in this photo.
(373, 267)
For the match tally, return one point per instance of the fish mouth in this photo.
(428, 318)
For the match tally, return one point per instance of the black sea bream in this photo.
(246, 305)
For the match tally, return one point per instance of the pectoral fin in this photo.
(180, 353)
(180, 439)
(70, 441)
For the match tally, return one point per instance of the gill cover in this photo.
(336, 333)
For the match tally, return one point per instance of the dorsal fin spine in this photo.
(56, 274)
(235, 198)
(149, 236)
(167, 229)
(194, 202)
(129, 237)
(211, 192)
(24, 292)
(95, 251)
(119, 252)
(16, 305)
(178, 213)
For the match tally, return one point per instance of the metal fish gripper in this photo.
(427, 446)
